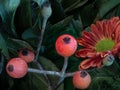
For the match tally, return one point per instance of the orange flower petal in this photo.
(83, 43)
(117, 32)
(89, 36)
(91, 62)
(88, 39)
(95, 30)
(99, 24)
(99, 64)
(96, 61)
(116, 49)
(85, 64)
(84, 53)
(80, 40)
(107, 30)
(110, 30)
(114, 20)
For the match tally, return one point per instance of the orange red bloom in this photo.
(102, 40)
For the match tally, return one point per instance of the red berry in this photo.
(16, 68)
(26, 55)
(66, 45)
(81, 80)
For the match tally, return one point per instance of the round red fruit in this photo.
(17, 68)
(81, 80)
(66, 45)
(26, 55)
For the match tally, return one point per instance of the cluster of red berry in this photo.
(17, 67)
(66, 46)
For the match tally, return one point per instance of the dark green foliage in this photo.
(20, 26)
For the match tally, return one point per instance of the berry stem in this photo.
(61, 79)
(41, 68)
(70, 74)
(40, 39)
(64, 66)
(38, 49)
(54, 73)
(45, 18)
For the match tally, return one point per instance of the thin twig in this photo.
(61, 79)
(41, 68)
(53, 73)
(38, 50)
(64, 66)
(69, 74)
(40, 39)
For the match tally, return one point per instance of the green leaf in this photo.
(39, 81)
(2, 59)
(7, 13)
(11, 5)
(72, 4)
(23, 17)
(77, 25)
(58, 13)
(28, 34)
(69, 84)
(3, 47)
(105, 6)
(48, 65)
(40, 2)
(88, 14)
(22, 44)
(97, 82)
(2, 12)
(113, 12)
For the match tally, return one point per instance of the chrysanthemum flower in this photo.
(102, 40)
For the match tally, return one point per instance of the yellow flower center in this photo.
(104, 45)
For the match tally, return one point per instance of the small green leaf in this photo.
(7, 13)
(49, 65)
(106, 6)
(22, 43)
(88, 14)
(113, 12)
(39, 81)
(40, 2)
(72, 4)
(69, 84)
(11, 5)
(3, 47)
(28, 34)
(23, 17)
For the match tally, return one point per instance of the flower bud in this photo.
(108, 60)
(46, 9)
